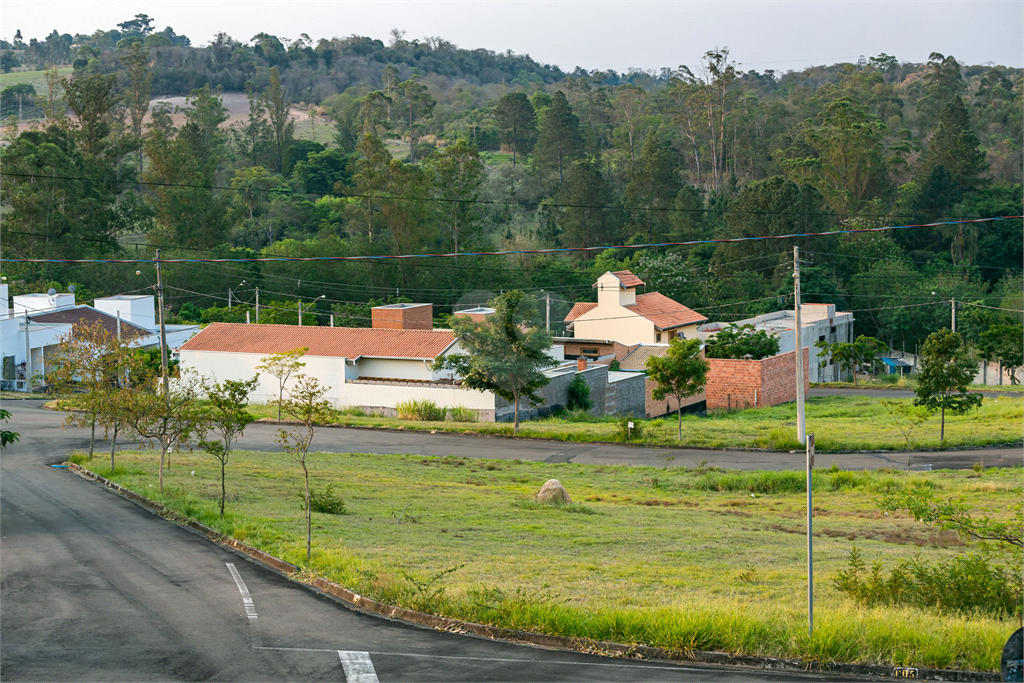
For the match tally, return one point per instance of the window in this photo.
(832, 329)
(590, 352)
(821, 337)
(657, 337)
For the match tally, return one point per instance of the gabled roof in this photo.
(664, 312)
(87, 315)
(338, 342)
(637, 358)
(626, 279)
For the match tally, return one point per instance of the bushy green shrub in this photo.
(579, 394)
(428, 411)
(967, 583)
(461, 414)
(325, 501)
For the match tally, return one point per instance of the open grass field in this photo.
(840, 423)
(36, 78)
(699, 559)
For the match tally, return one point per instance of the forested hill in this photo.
(312, 71)
(351, 147)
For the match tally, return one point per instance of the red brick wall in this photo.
(666, 405)
(734, 382)
(412, 318)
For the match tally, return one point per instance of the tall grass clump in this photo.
(427, 411)
(462, 414)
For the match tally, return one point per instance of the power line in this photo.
(558, 250)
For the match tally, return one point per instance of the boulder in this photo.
(553, 491)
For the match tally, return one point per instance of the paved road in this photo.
(96, 588)
(260, 437)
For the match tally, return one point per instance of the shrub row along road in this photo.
(94, 587)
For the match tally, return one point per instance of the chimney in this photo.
(403, 317)
(581, 364)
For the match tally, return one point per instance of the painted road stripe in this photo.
(250, 608)
(358, 667)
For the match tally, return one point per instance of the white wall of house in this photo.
(396, 368)
(138, 309)
(383, 397)
(42, 339)
(221, 365)
(612, 321)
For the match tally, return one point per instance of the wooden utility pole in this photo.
(163, 329)
(801, 426)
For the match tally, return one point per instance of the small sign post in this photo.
(629, 430)
(810, 538)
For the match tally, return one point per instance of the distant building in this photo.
(32, 329)
(622, 315)
(818, 322)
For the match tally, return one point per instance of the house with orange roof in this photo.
(622, 315)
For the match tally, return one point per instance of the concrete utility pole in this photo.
(257, 305)
(953, 307)
(801, 426)
(163, 329)
(810, 537)
(28, 358)
(547, 313)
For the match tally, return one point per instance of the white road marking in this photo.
(250, 608)
(358, 667)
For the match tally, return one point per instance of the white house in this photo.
(624, 316)
(818, 322)
(30, 331)
(370, 368)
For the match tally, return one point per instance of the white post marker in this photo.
(358, 667)
(810, 538)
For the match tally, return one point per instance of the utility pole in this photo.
(257, 305)
(810, 538)
(300, 312)
(801, 426)
(953, 307)
(547, 313)
(28, 358)
(229, 298)
(163, 328)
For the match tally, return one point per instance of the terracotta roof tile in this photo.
(341, 342)
(87, 315)
(627, 278)
(664, 312)
(579, 309)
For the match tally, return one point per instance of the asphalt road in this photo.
(260, 437)
(96, 588)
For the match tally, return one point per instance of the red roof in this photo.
(340, 342)
(664, 312)
(627, 278)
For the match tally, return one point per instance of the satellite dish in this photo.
(51, 291)
(71, 288)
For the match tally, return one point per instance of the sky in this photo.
(771, 34)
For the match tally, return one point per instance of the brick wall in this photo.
(408, 317)
(740, 383)
(668, 404)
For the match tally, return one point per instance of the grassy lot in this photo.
(36, 78)
(699, 559)
(840, 423)
(911, 383)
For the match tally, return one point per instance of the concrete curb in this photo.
(371, 606)
(709, 449)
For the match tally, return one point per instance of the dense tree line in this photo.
(426, 148)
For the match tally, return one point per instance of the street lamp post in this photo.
(322, 296)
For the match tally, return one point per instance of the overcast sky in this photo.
(771, 34)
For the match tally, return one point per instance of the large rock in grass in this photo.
(553, 492)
